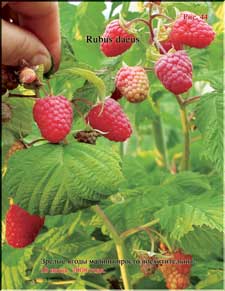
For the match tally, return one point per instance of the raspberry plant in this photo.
(119, 154)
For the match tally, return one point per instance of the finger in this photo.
(18, 44)
(41, 18)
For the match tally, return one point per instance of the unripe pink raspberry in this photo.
(54, 116)
(192, 30)
(27, 76)
(174, 70)
(133, 83)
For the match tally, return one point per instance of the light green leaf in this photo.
(192, 182)
(201, 210)
(14, 267)
(214, 278)
(59, 244)
(205, 242)
(209, 120)
(135, 211)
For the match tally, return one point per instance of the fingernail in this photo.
(42, 60)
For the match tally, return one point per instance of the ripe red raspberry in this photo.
(192, 30)
(168, 44)
(175, 268)
(174, 70)
(21, 227)
(54, 116)
(113, 46)
(133, 83)
(184, 262)
(116, 95)
(111, 119)
(176, 280)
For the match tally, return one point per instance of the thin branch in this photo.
(152, 36)
(134, 230)
(180, 100)
(162, 238)
(159, 46)
(97, 209)
(137, 20)
(191, 100)
(22, 95)
(49, 87)
(161, 15)
(186, 150)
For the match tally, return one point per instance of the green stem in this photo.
(119, 246)
(95, 286)
(186, 149)
(159, 136)
(134, 230)
(121, 150)
(137, 20)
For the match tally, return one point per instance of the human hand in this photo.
(34, 34)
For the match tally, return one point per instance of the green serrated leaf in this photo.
(136, 210)
(14, 267)
(205, 242)
(214, 277)
(58, 179)
(58, 244)
(179, 219)
(211, 106)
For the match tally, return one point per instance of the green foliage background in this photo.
(128, 180)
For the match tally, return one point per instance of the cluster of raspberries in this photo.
(175, 268)
(173, 69)
(54, 114)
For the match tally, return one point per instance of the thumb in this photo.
(18, 44)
